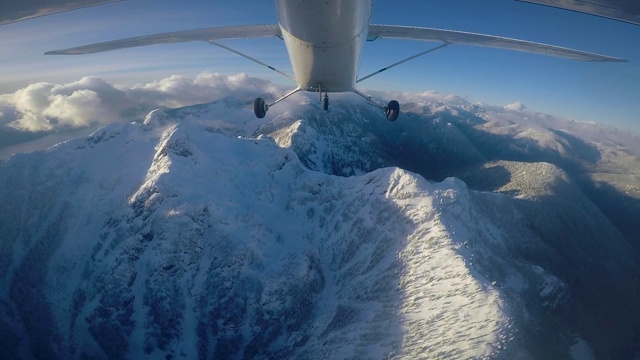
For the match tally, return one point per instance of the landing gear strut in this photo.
(392, 110)
(323, 99)
(260, 107)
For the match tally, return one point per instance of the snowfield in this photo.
(195, 234)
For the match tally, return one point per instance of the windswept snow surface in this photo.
(176, 238)
(204, 233)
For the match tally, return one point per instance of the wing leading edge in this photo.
(375, 32)
(466, 38)
(210, 34)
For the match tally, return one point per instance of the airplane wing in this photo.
(210, 34)
(459, 37)
(622, 10)
(18, 10)
(375, 32)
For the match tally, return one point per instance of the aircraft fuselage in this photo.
(324, 40)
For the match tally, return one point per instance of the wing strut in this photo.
(254, 60)
(369, 99)
(403, 61)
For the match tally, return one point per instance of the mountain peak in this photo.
(203, 233)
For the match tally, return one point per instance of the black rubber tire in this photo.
(325, 103)
(259, 108)
(393, 110)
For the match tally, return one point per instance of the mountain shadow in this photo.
(622, 209)
(569, 236)
(557, 147)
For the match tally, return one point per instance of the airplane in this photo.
(325, 41)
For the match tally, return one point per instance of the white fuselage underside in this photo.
(324, 39)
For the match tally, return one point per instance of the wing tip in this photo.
(610, 59)
(61, 52)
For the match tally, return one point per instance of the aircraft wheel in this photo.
(325, 102)
(260, 108)
(393, 110)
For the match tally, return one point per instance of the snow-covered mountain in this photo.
(202, 232)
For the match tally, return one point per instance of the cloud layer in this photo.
(43, 114)
(92, 101)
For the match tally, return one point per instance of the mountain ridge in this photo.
(188, 256)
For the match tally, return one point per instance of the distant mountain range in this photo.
(459, 231)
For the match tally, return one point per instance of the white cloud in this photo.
(92, 101)
(426, 97)
(176, 91)
(46, 106)
(515, 106)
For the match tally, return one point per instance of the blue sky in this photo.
(604, 92)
